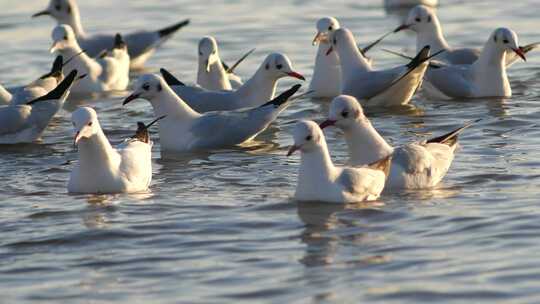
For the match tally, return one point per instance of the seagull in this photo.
(105, 74)
(409, 3)
(390, 87)
(141, 44)
(102, 169)
(255, 92)
(212, 73)
(419, 165)
(5, 96)
(424, 22)
(486, 77)
(320, 180)
(326, 79)
(184, 129)
(25, 123)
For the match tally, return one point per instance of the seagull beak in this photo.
(520, 53)
(402, 27)
(130, 98)
(329, 50)
(318, 38)
(296, 75)
(207, 65)
(42, 13)
(54, 47)
(77, 138)
(292, 149)
(327, 123)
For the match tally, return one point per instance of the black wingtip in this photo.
(142, 130)
(529, 47)
(60, 89)
(420, 58)
(283, 97)
(451, 138)
(119, 42)
(173, 28)
(56, 70)
(170, 79)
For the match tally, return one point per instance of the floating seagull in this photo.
(409, 3)
(256, 91)
(326, 79)
(141, 44)
(425, 23)
(414, 166)
(320, 180)
(103, 169)
(106, 74)
(486, 77)
(25, 123)
(212, 74)
(185, 130)
(388, 87)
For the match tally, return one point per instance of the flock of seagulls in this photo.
(222, 110)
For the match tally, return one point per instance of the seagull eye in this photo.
(330, 28)
(309, 137)
(418, 19)
(214, 52)
(90, 124)
(65, 37)
(58, 7)
(146, 87)
(279, 66)
(200, 53)
(505, 41)
(345, 114)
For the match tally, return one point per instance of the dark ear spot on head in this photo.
(159, 87)
(429, 19)
(267, 66)
(495, 38)
(69, 8)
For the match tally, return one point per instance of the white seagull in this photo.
(256, 91)
(5, 96)
(212, 73)
(424, 22)
(326, 79)
(183, 129)
(389, 87)
(417, 165)
(320, 180)
(141, 44)
(102, 169)
(24, 123)
(409, 3)
(486, 77)
(105, 74)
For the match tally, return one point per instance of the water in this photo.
(222, 227)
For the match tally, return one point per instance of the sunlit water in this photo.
(222, 227)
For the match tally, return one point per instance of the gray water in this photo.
(221, 227)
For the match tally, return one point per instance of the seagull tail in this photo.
(283, 97)
(172, 29)
(56, 70)
(383, 165)
(420, 58)
(451, 138)
(60, 89)
(170, 79)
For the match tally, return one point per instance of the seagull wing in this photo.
(454, 81)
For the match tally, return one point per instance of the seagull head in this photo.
(85, 123)
(277, 65)
(63, 11)
(147, 87)
(345, 111)
(325, 26)
(307, 137)
(208, 52)
(63, 38)
(505, 39)
(420, 19)
(340, 38)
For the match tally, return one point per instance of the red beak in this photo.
(329, 50)
(402, 27)
(296, 75)
(130, 98)
(520, 53)
(292, 149)
(327, 123)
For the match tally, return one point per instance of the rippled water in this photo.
(222, 227)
